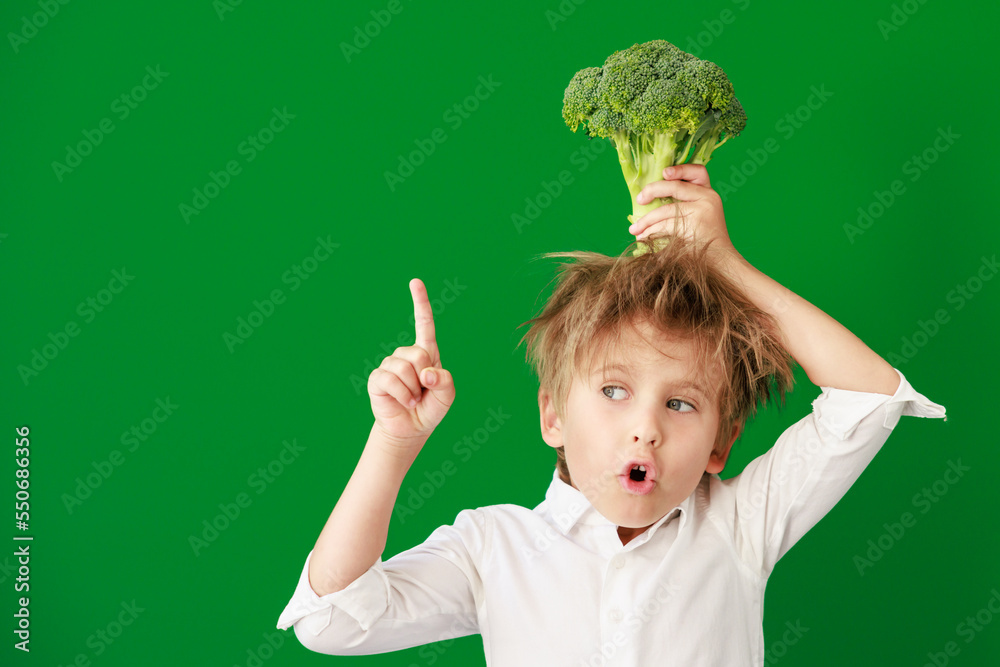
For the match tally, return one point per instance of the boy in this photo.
(648, 368)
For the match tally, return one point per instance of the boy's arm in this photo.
(780, 495)
(354, 536)
(410, 394)
(346, 601)
(828, 352)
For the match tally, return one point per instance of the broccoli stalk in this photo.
(643, 159)
(659, 106)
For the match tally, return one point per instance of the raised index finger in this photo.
(423, 319)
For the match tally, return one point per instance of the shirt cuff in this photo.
(365, 599)
(840, 410)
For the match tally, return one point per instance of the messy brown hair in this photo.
(681, 294)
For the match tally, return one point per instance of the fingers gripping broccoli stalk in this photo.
(644, 157)
(659, 106)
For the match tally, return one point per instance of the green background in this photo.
(301, 375)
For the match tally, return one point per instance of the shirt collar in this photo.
(568, 507)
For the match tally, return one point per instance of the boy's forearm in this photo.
(828, 352)
(354, 536)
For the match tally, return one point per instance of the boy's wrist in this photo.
(729, 260)
(397, 450)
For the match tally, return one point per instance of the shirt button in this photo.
(619, 562)
(616, 614)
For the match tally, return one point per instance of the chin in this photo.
(634, 519)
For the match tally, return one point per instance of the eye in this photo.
(612, 388)
(676, 404)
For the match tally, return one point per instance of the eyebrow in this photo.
(603, 370)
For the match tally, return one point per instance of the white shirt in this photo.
(554, 585)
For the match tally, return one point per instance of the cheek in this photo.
(579, 454)
(584, 455)
(699, 443)
(702, 430)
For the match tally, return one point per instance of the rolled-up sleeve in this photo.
(783, 493)
(425, 594)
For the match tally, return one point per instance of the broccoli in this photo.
(659, 105)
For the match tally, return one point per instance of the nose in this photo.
(647, 429)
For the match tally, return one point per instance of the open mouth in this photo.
(638, 477)
(637, 473)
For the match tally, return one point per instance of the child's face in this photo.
(659, 411)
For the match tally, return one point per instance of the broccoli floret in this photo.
(659, 106)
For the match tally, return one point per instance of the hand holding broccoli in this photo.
(693, 209)
(660, 106)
